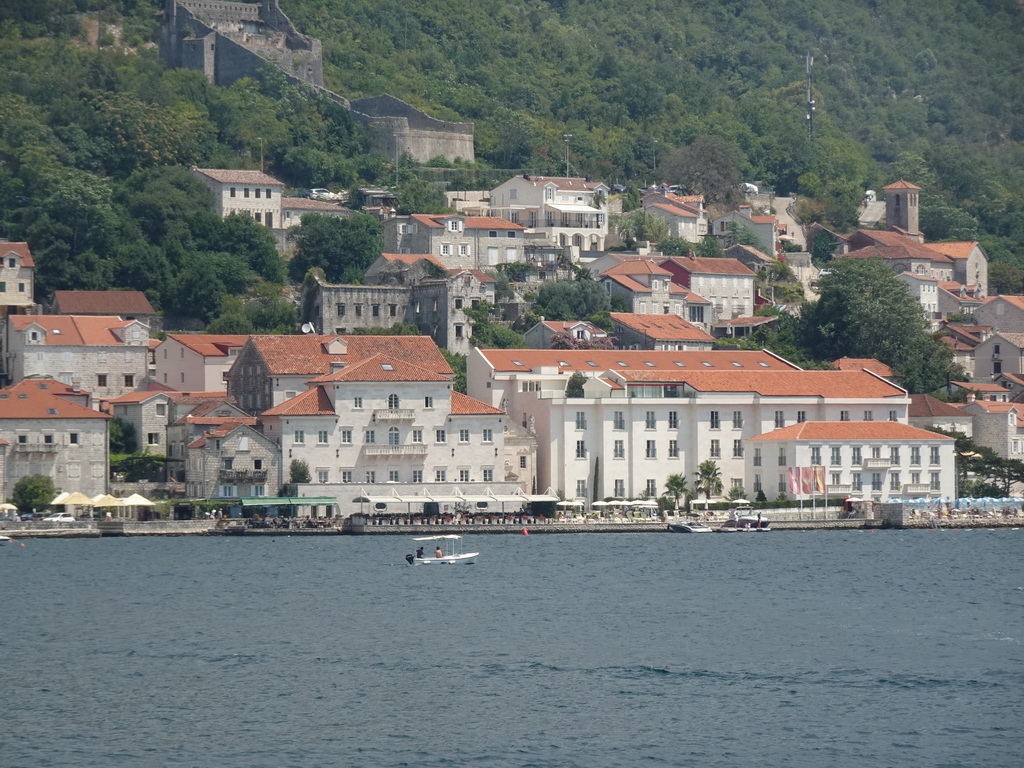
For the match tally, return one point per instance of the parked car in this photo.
(321, 194)
(60, 517)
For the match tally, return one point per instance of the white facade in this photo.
(249, 193)
(196, 362)
(457, 241)
(17, 275)
(646, 415)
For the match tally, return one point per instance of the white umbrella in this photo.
(60, 498)
(569, 504)
(7, 506)
(137, 500)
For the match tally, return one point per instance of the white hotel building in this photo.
(647, 414)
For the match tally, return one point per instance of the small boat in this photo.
(689, 527)
(5, 539)
(451, 554)
(744, 524)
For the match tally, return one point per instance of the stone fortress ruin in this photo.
(228, 41)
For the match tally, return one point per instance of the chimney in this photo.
(970, 397)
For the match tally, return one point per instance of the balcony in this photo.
(395, 450)
(35, 447)
(242, 475)
(393, 414)
(917, 490)
(877, 463)
(839, 490)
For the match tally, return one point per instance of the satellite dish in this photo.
(307, 327)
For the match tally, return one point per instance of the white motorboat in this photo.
(448, 551)
(745, 524)
(695, 526)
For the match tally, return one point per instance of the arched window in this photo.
(393, 436)
(392, 401)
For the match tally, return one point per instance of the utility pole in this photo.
(810, 99)
(565, 138)
(654, 154)
(260, 140)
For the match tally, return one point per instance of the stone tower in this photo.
(901, 209)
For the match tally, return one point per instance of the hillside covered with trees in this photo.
(646, 90)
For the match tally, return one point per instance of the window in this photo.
(782, 456)
(463, 435)
(375, 310)
(439, 476)
(934, 484)
(463, 475)
(346, 476)
(894, 455)
(933, 455)
(780, 419)
(894, 481)
(915, 478)
(417, 475)
(73, 438)
(801, 417)
(522, 462)
(488, 436)
(161, 409)
(652, 488)
(359, 310)
(357, 402)
(245, 192)
(737, 449)
(369, 436)
(876, 481)
(101, 380)
(581, 449)
(858, 483)
(417, 435)
(257, 463)
(652, 450)
(393, 401)
(620, 489)
(153, 438)
(716, 449)
(892, 415)
(446, 249)
(757, 457)
(48, 439)
(488, 475)
(298, 437)
(428, 402)
(322, 476)
(581, 420)
(393, 436)
(346, 436)
(673, 420)
(321, 437)
(649, 420)
(836, 459)
(737, 419)
(836, 478)
(371, 476)
(816, 455)
(857, 459)
(618, 421)
(915, 455)
(439, 436)
(673, 449)
(714, 420)
(869, 416)
(392, 475)
(257, 191)
(844, 415)
(231, 192)
(619, 450)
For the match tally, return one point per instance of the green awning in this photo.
(287, 501)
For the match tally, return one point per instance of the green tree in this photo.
(458, 365)
(571, 299)
(33, 493)
(640, 225)
(865, 311)
(419, 196)
(708, 166)
(677, 487)
(122, 437)
(298, 472)
(342, 248)
(1005, 279)
(574, 386)
(708, 479)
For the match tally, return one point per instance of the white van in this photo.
(750, 189)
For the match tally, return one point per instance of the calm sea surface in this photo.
(815, 649)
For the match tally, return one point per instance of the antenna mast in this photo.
(810, 99)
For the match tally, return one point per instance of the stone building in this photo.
(232, 461)
(147, 413)
(17, 277)
(659, 332)
(457, 241)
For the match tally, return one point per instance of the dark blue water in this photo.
(787, 649)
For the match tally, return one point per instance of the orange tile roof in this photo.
(663, 327)
(853, 430)
(305, 354)
(210, 345)
(572, 183)
(309, 204)
(258, 178)
(636, 267)
(1016, 301)
(911, 248)
(74, 330)
(926, 405)
(34, 399)
(381, 368)
(959, 250)
(188, 398)
(863, 364)
(901, 184)
(313, 402)
(137, 397)
(723, 266)
(103, 303)
(895, 253)
(675, 210)
(463, 405)
(637, 287)
(21, 250)
(564, 326)
(490, 222)
(618, 360)
(774, 383)
(975, 386)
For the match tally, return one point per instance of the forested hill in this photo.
(932, 92)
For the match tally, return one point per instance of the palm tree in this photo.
(677, 487)
(709, 480)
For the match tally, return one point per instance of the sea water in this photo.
(786, 649)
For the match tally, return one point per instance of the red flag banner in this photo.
(794, 480)
(807, 479)
(819, 480)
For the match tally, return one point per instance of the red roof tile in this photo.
(210, 345)
(313, 402)
(853, 430)
(959, 250)
(102, 303)
(863, 364)
(21, 250)
(723, 266)
(306, 354)
(926, 405)
(36, 399)
(256, 178)
(636, 267)
(73, 330)
(774, 383)
(624, 360)
(901, 184)
(463, 405)
(662, 327)
(382, 368)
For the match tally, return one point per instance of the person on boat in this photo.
(438, 553)
(419, 554)
(758, 519)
